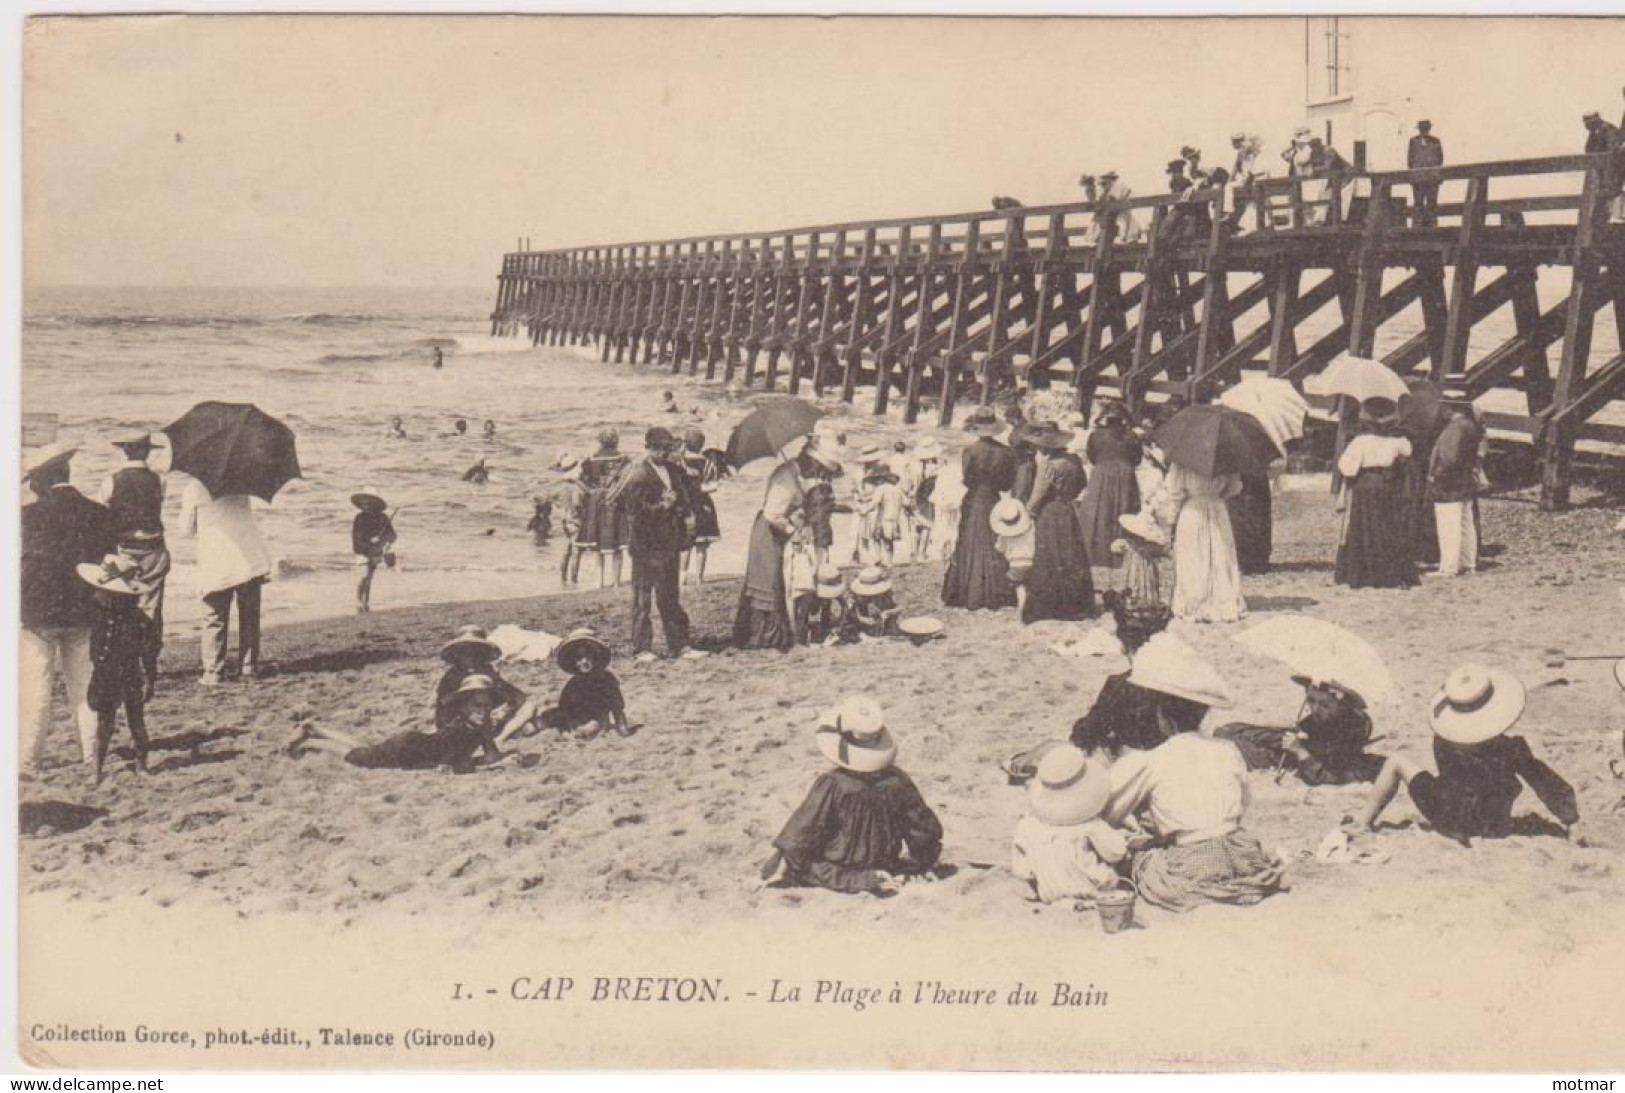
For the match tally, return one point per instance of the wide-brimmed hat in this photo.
(579, 643)
(983, 422)
(829, 583)
(853, 735)
(50, 457)
(132, 440)
(1049, 436)
(470, 642)
(1476, 704)
(1379, 411)
(1069, 787)
(1144, 525)
(871, 453)
(1169, 666)
(920, 628)
(565, 462)
(1104, 175)
(871, 581)
(1010, 518)
(814, 450)
(1347, 695)
(928, 449)
(112, 574)
(474, 684)
(368, 498)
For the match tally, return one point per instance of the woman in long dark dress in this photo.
(1376, 548)
(1252, 521)
(763, 619)
(1114, 452)
(977, 574)
(1059, 585)
(1026, 456)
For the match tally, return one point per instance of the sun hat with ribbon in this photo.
(853, 735)
(582, 643)
(368, 498)
(112, 574)
(470, 644)
(829, 583)
(1142, 524)
(1476, 704)
(1069, 787)
(1169, 666)
(871, 581)
(1010, 518)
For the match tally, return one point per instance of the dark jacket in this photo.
(1424, 152)
(659, 516)
(1604, 138)
(137, 503)
(1453, 469)
(59, 531)
(119, 635)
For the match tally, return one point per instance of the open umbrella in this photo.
(1274, 403)
(1323, 651)
(1214, 440)
(1359, 378)
(233, 447)
(769, 428)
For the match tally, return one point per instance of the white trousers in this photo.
(1458, 537)
(40, 655)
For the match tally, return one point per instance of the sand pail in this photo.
(1116, 907)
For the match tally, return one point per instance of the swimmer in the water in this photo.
(439, 357)
(459, 429)
(541, 520)
(477, 474)
(490, 429)
(397, 429)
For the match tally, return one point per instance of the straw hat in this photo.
(45, 459)
(111, 574)
(1476, 704)
(1069, 787)
(1010, 518)
(920, 629)
(1169, 666)
(871, 581)
(829, 582)
(368, 498)
(470, 643)
(475, 684)
(928, 449)
(133, 440)
(853, 736)
(579, 643)
(1142, 524)
(1104, 175)
(983, 422)
(565, 463)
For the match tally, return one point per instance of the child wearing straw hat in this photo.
(1143, 543)
(870, 609)
(1014, 539)
(819, 613)
(1481, 769)
(591, 700)
(472, 653)
(1061, 847)
(859, 818)
(119, 634)
(372, 534)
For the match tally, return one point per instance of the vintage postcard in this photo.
(739, 542)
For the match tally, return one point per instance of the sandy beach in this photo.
(665, 829)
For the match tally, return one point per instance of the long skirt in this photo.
(1419, 513)
(1232, 868)
(1113, 490)
(1252, 521)
(763, 620)
(1207, 577)
(1376, 550)
(978, 575)
(1142, 582)
(1059, 585)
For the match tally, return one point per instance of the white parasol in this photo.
(1323, 651)
(1274, 403)
(1359, 378)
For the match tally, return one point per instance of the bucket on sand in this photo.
(1116, 907)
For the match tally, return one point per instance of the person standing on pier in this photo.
(1425, 152)
(134, 494)
(1244, 174)
(655, 497)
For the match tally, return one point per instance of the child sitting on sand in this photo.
(472, 653)
(1481, 769)
(1326, 747)
(119, 633)
(591, 700)
(1061, 846)
(461, 741)
(850, 834)
(818, 614)
(372, 534)
(870, 610)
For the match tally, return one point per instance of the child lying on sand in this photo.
(470, 730)
(850, 833)
(591, 700)
(472, 653)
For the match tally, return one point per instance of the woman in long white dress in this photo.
(1207, 576)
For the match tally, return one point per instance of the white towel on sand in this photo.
(518, 643)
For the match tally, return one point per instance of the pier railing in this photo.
(1146, 298)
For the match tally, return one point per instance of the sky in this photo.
(396, 150)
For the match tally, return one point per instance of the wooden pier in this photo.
(1143, 299)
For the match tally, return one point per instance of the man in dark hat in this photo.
(60, 529)
(655, 497)
(1425, 153)
(134, 494)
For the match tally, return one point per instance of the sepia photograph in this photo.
(926, 543)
